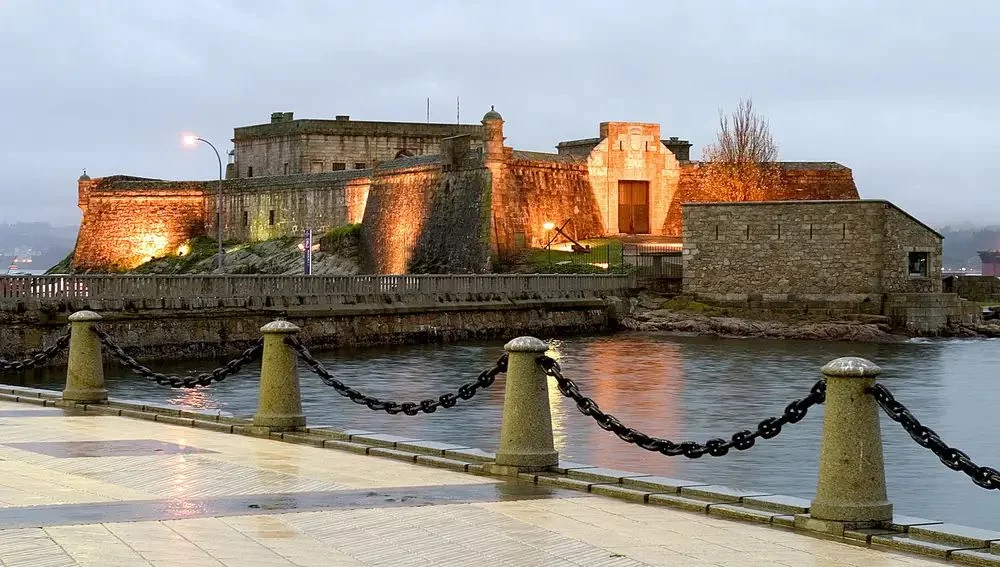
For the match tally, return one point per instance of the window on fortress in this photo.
(246, 218)
(250, 171)
(270, 217)
(360, 165)
(286, 168)
(918, 264)
(339, 166)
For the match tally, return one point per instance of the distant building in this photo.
(991, 262)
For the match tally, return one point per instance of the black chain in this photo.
(741, 440)
(200, 379)
(35, 359)
(986, 477)
(465, 392)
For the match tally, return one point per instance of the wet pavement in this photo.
(168, 495)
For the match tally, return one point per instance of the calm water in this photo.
(674, 387)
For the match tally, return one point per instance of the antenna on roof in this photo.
(458, 111)
(428, 110)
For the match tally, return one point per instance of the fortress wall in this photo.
(397, 209)
(421, 219)
(800, 181)
(127, 220)
(122, 229)
(319, 202)
(456, 236)
(536, 192)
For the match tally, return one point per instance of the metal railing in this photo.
(653, 260)
(229, 286)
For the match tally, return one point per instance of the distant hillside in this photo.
(961, 245)
(44, 243)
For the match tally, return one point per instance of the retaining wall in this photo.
(194, 327)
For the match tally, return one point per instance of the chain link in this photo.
(465, 392)
(39, 357)
(200, 379)
(741, 440)
(986, 477)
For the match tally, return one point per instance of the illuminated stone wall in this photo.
(127, 220)
(422, 219)
(632, 151)
(270, 207)
(122, 229)
(534, 190)
(814, 181)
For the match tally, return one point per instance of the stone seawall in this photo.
(977, 288)
(152, 330)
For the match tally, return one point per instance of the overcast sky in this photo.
(905, 93)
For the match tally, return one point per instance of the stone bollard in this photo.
(851, 488)
(85, 368)
(526, 432)
(279, 407)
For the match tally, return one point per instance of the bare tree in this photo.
(741, 164)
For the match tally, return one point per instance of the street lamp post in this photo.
(548, 236)
(190, 141)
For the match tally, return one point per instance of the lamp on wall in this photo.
(190, 140)
(548, 228)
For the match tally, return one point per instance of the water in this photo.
(674, 387)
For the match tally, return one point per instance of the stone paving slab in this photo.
(245, 500)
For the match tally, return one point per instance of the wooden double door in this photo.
(633, 207)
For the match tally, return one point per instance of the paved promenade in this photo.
(93, 490)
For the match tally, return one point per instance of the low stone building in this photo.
(833, 257)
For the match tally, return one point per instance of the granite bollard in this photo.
(279, 405)
(851, 487)
(526, 431)
(85, 367)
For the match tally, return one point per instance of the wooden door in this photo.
(633, 207)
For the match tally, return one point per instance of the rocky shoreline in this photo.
(649, 316)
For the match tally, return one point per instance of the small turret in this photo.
(84, 185)
(493, 144)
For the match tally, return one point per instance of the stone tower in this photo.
(84, 186)
(493, 143)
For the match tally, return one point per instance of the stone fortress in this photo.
(430, 197)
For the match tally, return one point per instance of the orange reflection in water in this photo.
(194, 398)
(648, 381)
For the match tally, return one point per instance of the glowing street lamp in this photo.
(548, 227)
(190, 140)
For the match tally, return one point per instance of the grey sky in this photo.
(905, 93)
